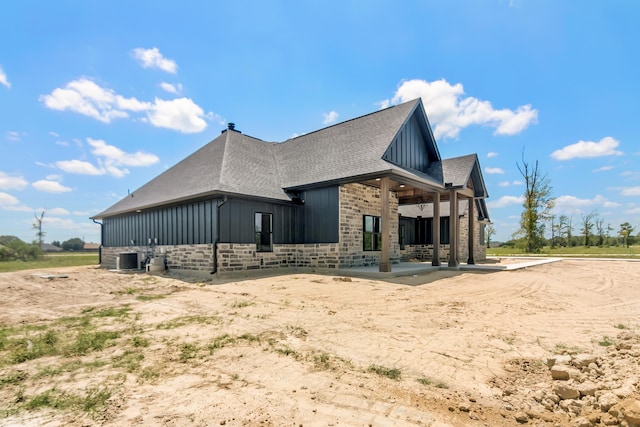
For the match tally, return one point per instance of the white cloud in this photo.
(8, 182)
(78, 166)
(588, 149)
(450, 111)
(55, 211)
(168, 87)
(329, 117)
(215, 117)
(86, 97)
(110, 159)
(50, 186)
(492, 154)
(630, 191)
(631, 175)
(633, 211)
(505, 201)
(493, 170)
(180, 114)
(152, 58)
(7, 200)
(80, 228)
(4, 80)
(570, 204)
(10, 203)
(119, 157)
(13, 136)
(507, 183)
(603, 168)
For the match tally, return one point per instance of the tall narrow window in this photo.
(444, 230)
(372, 237)
(401, 236)
(264, 234)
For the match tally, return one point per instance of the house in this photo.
(368, 191)
(48, 247)
(91, 247)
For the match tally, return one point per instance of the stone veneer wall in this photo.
(357, 200)
(479, 248)
(243, 256)
(425, 252)
(186, 257)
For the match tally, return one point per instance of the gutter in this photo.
(101, 240)
(217, 240)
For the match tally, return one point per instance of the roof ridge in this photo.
(350, 120)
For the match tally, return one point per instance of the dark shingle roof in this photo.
(234, 163)
(231, 163)
(459, 170)
(348, 149)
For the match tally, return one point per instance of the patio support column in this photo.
(472, 214)
(454, 226)
(385, 264)
(435, 230)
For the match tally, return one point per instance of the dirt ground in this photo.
(447, 348)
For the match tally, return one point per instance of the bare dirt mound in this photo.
(555, 344)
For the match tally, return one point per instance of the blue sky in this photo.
(97, 98)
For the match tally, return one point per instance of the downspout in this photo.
(217, 240)
(101, 240)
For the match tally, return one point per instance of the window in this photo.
(264, 234)
(372, 238)
(444, 230)
(424, 231)
(401, 234)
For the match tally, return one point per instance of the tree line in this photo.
(13, 248)
(537, 215)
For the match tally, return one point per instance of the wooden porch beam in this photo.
(435, 229)
(471, 240)
(454, 226)
(385, 223)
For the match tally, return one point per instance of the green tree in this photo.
(569, 231)
(537, 205)
(490, 232)
(75, 244)
(17, 250)
(625, 231)
(587, 226)
(600, 231)
(38, 226)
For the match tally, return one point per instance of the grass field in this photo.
(67, 259)
(576, 251)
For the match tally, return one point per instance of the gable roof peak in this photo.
(354, 119)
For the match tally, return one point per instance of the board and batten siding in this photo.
(237, 221)
(322, 215)
(409, 149)
(315, 221)
(188, 224)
